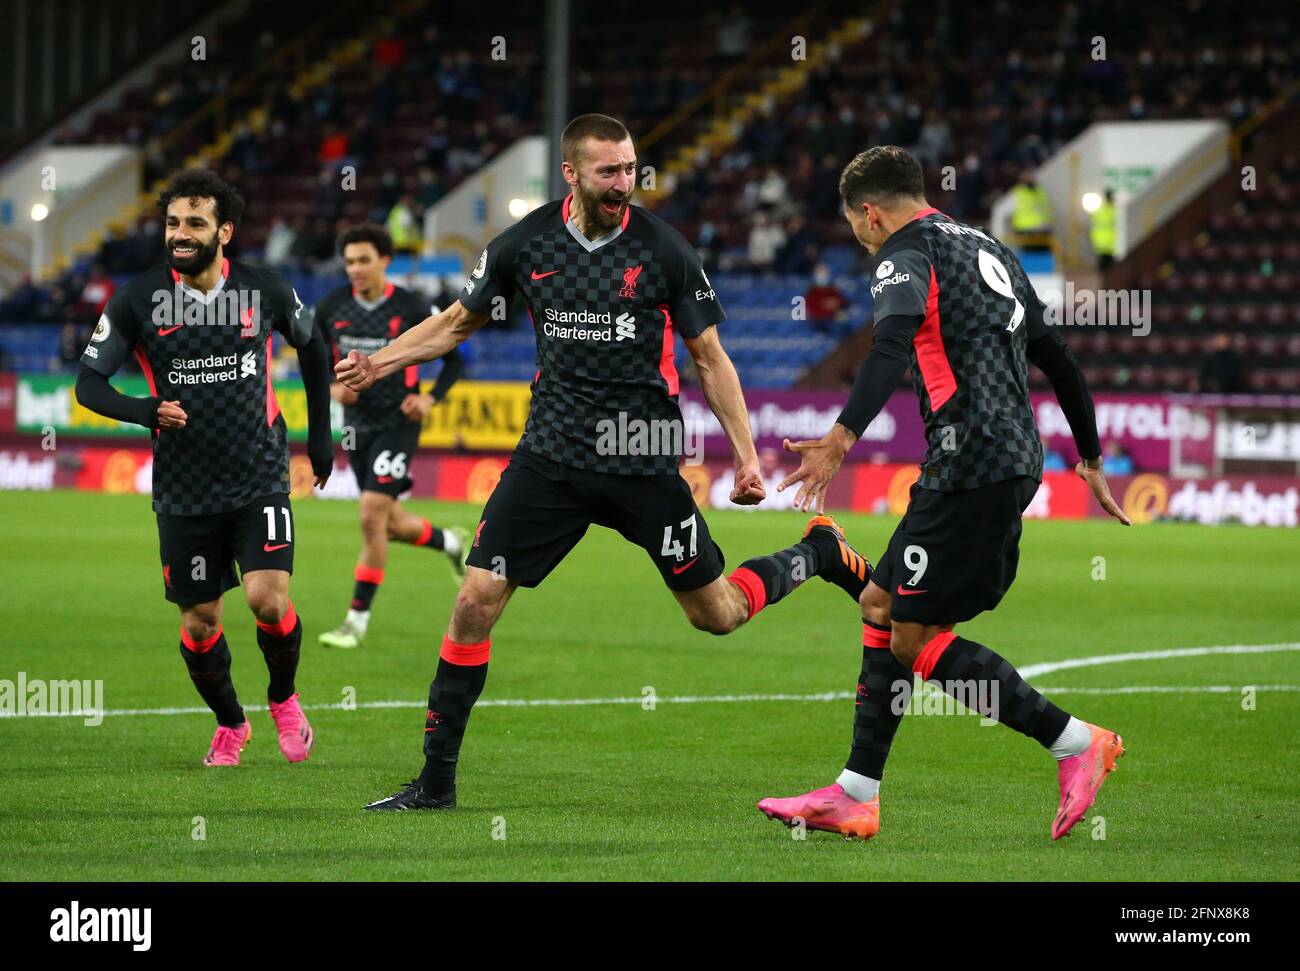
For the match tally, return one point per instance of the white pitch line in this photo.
(672, 700)
(1047, 667)
(1028, 671)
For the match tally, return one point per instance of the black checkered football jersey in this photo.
(604, 315)
(968, 357)
(212, 355)
(346, 323)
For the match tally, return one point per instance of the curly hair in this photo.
(203, 184)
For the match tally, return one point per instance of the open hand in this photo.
(1097, 483)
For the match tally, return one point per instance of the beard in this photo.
(591, 205)
(196, 264)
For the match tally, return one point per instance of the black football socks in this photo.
(884, 689)
(462, 672)
(368, 580)
(983, 679)
(766, 579)
(281, 645)
(208, 662)
(433, 538)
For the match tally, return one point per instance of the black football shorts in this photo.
(199, 553)
(382, 460)
(954, 554)
(540, 509)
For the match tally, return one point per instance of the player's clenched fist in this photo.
(355, 371)
(749, 489)
(171, 415)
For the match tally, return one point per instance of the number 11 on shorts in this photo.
(270, 525)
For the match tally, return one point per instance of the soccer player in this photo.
(200, 326)
(607, 285)
(365, 315)
(957, 306)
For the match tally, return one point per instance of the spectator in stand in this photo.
(279, 243)
(1032, 209)
(330, 194)
(361, 141)
(58, 307)
(389, 52)
(765, 239)
(23, 304)
(935, 142)
(1118, 461)
(383, 96)
(333, 145)
(324, 233)
(824, 198)
(302, 251)
(799, 254)
(1101, 231)
(970, 190)
(1222, 371)
(734, 29)
(95, 294)
(824, 301)
(768, 193)
(403, 226)
(430, 190)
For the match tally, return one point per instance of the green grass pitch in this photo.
(619, 791)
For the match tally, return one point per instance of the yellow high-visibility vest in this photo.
(1033, 209)
(405, 234)
(1102, 230)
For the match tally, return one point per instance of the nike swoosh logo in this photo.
(164, 331)
(908, 593)
(684, 567)
(268, 548)
(540, 276)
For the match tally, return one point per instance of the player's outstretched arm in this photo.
(428, 340)
(95, 394)
(1053, 357)
(721, 387)
(313, 362)
(820, 459)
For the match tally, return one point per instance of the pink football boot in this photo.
(296, 736)
(828, 809)
(1081, 777)
(227, 743)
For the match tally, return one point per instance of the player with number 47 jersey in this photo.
(201, 329)
(608, 286)
(955, 304)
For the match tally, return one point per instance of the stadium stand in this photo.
(989, 92)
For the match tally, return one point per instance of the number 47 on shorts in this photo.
(673, 547)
